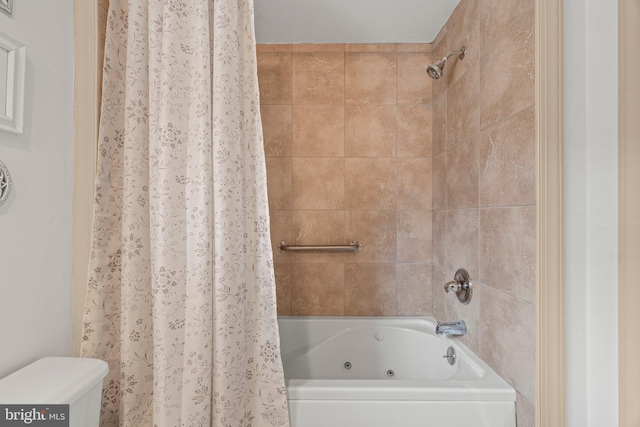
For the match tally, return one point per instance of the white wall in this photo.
(352, 21)
(591, 215)
(36, 223)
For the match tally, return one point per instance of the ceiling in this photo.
(350, 21)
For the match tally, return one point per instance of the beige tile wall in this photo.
(348, 140)
(484, 216)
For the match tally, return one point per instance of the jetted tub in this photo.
(387, 372)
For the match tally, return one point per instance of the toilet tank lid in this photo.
(52, 380)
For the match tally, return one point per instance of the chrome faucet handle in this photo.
(452, 286)
(461, 286)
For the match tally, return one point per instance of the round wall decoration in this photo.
(5, 183)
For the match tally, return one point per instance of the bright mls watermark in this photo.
(34, 415)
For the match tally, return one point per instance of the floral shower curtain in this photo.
(181, 299)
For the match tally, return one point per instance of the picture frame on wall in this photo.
(12, 80)
(6, 6)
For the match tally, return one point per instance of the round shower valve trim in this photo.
(461, 285)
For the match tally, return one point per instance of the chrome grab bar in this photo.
(355, 246)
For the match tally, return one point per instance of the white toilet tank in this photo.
(73, 381)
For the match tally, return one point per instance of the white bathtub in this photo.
(387, 372)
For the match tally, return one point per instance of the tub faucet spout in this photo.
(451, 328)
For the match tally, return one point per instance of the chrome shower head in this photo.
(435, 70)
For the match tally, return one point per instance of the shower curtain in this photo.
(181, 297)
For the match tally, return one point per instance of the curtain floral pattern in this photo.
(181, 298)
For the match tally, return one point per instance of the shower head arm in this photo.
(460, 52)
